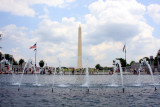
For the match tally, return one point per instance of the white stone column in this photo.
(79, 64)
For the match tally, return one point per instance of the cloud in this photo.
(108, 25)
(15, 41)
(118, 22)
(114, 20)
(16, 8)
(55, 32)
(154, 12)
(23, 7)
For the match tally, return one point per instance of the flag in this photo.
(32, 47)
(124, 48)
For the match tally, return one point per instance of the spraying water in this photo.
(7, 62)
(114, 76)
(29, 61)
(118, 64)
(149, 67)
(139, 76)
(36, 84)
(61, 76)
(53, 78)
(86, 77)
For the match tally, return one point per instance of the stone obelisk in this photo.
(79, 64)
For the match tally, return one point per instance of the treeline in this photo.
(124, 64)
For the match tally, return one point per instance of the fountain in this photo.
(150, 70)
(36, 81)
(86, 84)
(6, 61)
(29, 61)
(36, 77)
(118, 65)
(139, 76)
(114, 76)
(61, 75)
(98, 93)
(53, 78)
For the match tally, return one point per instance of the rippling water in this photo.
(68, 91)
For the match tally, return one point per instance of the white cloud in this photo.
(56, 32)
(15, 41)
(119, 21)
(154, 12)
(16, 8)
(23, 7)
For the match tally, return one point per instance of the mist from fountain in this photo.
(54, 78)
(86, 84)
(139, 76)
(61, 76)
(54, 75)
(114, 77)
(36, 77)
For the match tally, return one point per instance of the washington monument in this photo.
(79, 64)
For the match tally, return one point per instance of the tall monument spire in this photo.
(79, 64)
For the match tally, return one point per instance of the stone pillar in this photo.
(79, 64)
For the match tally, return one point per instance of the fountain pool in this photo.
(101, 92)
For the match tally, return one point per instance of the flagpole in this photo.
(35, 56)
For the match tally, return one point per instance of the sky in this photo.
(106, 26)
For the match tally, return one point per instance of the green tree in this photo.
(21, 62)
(123, 61)
(132, 62)
(140, 60)
(147, 59)
(98, 66)
(41, 63)
(14, 62)
(105, 68)
(7, 56)
(155, 61)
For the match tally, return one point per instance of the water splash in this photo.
(86, 84)
(118, 64)
(150, 70)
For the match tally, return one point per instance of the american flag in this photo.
(124, 48)
(32, 47)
